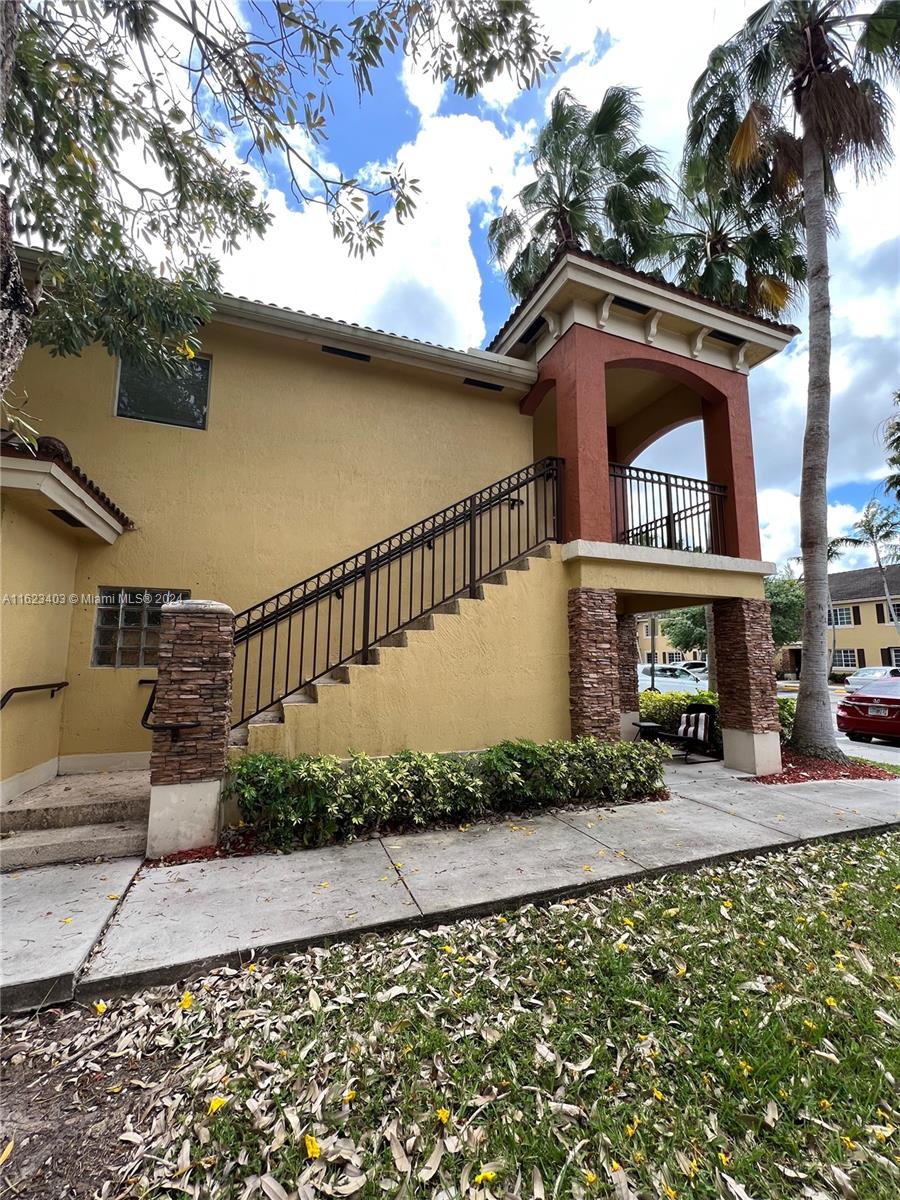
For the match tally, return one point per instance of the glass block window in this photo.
(151, 395)
(844, 658)
(842, 615)
(126, 633)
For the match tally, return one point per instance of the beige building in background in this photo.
(665, 651)
(861, 633)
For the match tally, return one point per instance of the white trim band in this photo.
(612, 551)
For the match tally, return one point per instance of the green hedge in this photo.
(312, 800)
(667, 707)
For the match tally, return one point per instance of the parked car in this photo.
(667, 679)
(866, 675)
(695, 664)
(872, 711)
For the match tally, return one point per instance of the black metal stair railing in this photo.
(337, 616)
(667, 512)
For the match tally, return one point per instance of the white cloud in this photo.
(779, 521)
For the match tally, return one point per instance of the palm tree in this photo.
(823, 64)
(833, 553)
(735, 239)
(890, 436)
(879, 529)
(596, 188)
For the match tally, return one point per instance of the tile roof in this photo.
(864, 584)
(642, 276)
(52, 450)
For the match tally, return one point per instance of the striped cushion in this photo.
(694, 726)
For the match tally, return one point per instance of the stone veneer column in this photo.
(629, 702)
(748, 713)
(593, 670)
(187, 766)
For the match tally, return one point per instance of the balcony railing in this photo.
(666, 512)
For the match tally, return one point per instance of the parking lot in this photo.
(877, 751)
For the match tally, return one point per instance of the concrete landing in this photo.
(52, 918)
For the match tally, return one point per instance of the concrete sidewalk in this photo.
(177, 921)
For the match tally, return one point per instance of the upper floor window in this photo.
(842, 615)
(146, 394)
(127, 630)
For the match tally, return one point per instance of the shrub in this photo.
(312, 800)
(787, 711)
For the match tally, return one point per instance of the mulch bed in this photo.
(803, 768)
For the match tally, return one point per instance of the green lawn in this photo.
(731, 1033)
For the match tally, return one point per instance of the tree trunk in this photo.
(711, 649)
(17, 305)
(814, 730)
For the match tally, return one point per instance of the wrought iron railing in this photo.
(337, 616)
(667, 512)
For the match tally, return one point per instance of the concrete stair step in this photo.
(421, 623)
(62, 812)
(499, 578)
(450, 608)
(540, 552)
(80, 843)
(394, 640)
(519, 564)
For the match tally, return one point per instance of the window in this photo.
(844, 658)
(651, 657)
(895, 656)
(126, 633)
(843, 615)
(646, 629)
(146, 394)
(675, 656)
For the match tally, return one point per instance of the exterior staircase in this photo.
(76, 818)
(313, 693)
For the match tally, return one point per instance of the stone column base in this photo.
(626, 725)
(755, 753)
(183, 816)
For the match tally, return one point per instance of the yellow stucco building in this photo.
(861, 632)
(460, 536)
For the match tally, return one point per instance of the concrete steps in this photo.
(81, 843)
(76, 818)
(313, 692)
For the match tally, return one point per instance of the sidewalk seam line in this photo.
(402, 878)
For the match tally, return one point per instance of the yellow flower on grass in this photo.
(313, 1150)
(186, 1001)
(638, 1157)
(100, 1007)
(485, 1176)
(590, 1177)
(848, 1142)
(657, 1094)
(728, 904)
(443, 1115)
(807, 1024)
(349, 1095)
(621, 947)
(831, 1002)
(824, 1104)
(724, 1158)
(251, 967)
(448, 949)
(692, 1169)
(745, 1067)
(631, 1129)
(628, 921)
(615, 1166)
(669, 1192)
(215, 1104)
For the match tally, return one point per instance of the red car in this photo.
(873, 711)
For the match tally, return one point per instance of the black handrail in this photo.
(667, 512)
(341, 613)
(53, 688)
(174, 727)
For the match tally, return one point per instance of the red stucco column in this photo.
(577, 365)
(729, 460)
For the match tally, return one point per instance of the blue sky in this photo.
(433, 279)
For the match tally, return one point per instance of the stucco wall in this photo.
(307, 457)
(498, 670)
(35, 559)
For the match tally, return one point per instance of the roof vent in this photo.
(68, 518)
(480, 383)
(728, 338)
(631, 305)
(341, 353)
(532, 331)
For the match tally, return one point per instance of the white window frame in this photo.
(676, 656)
(646, 629)
(895, 656)
(844, 659)
(836, 615)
